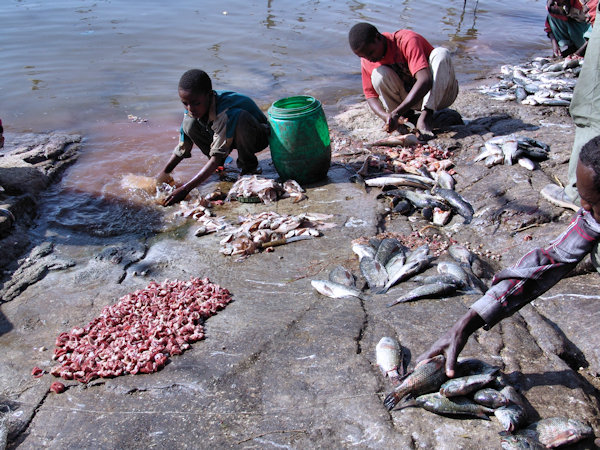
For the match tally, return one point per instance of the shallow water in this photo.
(83, 66)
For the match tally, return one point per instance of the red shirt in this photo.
(406, 50)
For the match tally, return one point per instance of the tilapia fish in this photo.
(399, 269)
(387, 248)
(375, 274)
(557, 431)
(521, 440)
(511, 417)
(335, 290)
(491, 398)
(363, 250)
(426, 291)
(462, 406)
(466, 385)
(426, 378)
(458, 203)
(341, 275)
(388, 354)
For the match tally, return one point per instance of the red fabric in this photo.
(592, 5)
(406, 49)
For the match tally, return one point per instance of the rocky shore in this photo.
(281, 365)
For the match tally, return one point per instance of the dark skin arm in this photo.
(451, 344)
(181, 192)
(421, 87)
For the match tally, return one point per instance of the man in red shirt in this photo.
(402, 72)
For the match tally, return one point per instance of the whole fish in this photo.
(521, 440)
(513, 396)
(465, 385)
(556, 431)
(473, 366)
(335, 290)
(427, 377)
(511, 417)
(445, 180)
(453, 269)
(461, 254)
(388, 354)
(416, 262)
(375, 273)
(426, 291)
(418, 199)
(398, 258)
(386, 249)
(491, 398)
(461, 406)
(460, 205)
(363, 250)
(494, 160)
(441, 278)
(339, 274)
(526, 163)
(395, 181)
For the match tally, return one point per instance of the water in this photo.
(83, 66)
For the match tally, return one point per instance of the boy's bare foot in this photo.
(425, 123)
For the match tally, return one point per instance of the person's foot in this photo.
(425, 124)
(254, 171)
(557, 196)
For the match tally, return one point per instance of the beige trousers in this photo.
(444, 91)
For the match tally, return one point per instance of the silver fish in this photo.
(442, 278)
(453, 269)
(511, 417)
(491, 398)
(472, 366)
(556, 431)
(339, 274)
(375, 273)
(419, 199)
(461, 254)
(427, 377)
(426, 291)
(458, 203)
(398, 258)
(415, 263)
(513, 396)
(462, 406)
(395, 181)
(388, 355)
(386, 249)
(466, 385)
(526, 163)
(335, 290)
(445, 180)
(521, 440)
(494, 160)
(363, 250)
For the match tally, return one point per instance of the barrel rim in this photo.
(311, 104)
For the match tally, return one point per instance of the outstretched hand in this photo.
(176, 196)
(451, 344)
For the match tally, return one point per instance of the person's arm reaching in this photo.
(180, 193)
(421, 87)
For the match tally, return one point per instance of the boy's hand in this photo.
(164, 177)
(176, 196)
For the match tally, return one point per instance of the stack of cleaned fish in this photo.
(433, 194)
(540, 82)
(453, 276)
(478, 391)
(266, 189)
(258, 230)
(511, 150)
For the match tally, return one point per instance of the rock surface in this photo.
(283, 366)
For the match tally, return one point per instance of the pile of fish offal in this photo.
(479, 390)
(386, 262)
(539, 82)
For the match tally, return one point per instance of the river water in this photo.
(85, 66)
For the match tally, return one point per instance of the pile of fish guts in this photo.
(479, 390)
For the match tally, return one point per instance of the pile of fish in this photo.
(139, 332)
(265, 189)
(540, 82)
(387, 262)
(268, 229)
(433, 194)
(513, 149)
(478, 391)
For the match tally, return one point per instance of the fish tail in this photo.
(391, 400)
(398, 300)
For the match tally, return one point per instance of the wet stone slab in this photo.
(282, 365)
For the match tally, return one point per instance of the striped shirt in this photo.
(538, 270)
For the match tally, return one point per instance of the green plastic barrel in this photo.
(299, 142)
